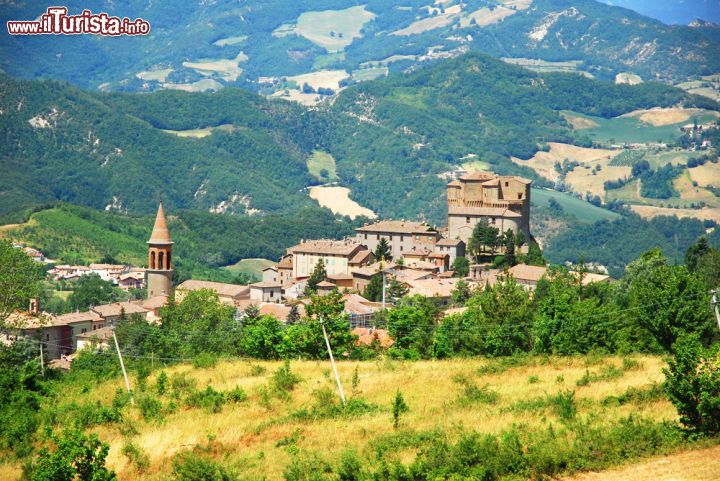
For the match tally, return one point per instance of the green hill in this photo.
(204, 242)
(390, 139)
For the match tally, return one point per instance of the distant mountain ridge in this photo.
(680, 12)
(199, 45)
(392, 139)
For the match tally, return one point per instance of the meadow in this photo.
(264, 431)
(338, 200)
(250, 267)
(583, 210)
(332, 30)
(320, 161)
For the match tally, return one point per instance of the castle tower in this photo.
(159, 273)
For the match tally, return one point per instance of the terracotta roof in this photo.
(279, 311)
(160, 233)
(340, 277)
(109, 267)
(411, 275)
(26, 320)
(327, 246)
(591, 277)
(448, 242)
(266, 285)
(226, 290)
(415, 252)
(73, 317)
(285, 263)
(326, 284)
(357, 304)
(154, 302)
(132, 275)
(270, 268)
(439, 255)
(527, 273)
(455, 183)
(116, 308)
(433, 287)
(369, 336)
(102, 334)
(372, 269)
(360, 257)
(454, 310)
(397, 227)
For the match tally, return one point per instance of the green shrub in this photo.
(563, 404)
(283, 380)
(328, 405)
(634, 395)
(210, 400)
(181, 384)
(533, 380)
(161, 383)
(257, 370)
(607, 373)
(236, 395)
(150, 407)
(205, 360)
(399, 407)
(692, 381)
(136, 456)
(191, 467)
(77, 457)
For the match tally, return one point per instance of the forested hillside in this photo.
(288, 37)
(391, 138)
(203, 241)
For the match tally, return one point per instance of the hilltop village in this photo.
(488, 215)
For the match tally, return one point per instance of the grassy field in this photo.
(332, 30)
(650, 211)
(319, 161)
(321, 78)
(584, 211)
(251, 267)
(200, 133)
(369, 73)
(638, 127)
(544, 65)
(338, 200)
(260, 436)
(227, 69)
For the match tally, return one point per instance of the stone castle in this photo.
(503, 200)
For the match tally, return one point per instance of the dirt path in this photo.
(698, 465)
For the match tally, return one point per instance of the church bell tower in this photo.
(159, 273)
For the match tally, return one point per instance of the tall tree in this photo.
(383, 252)
(20, 278)
(318, 275)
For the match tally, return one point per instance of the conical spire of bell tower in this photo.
(160, 233)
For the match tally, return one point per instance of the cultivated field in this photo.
(369, 73)
(581, 178)
(319, 161)
(332, 30)
(650, 211)
(321, 78)
(203, 85)
(484, 16)
(200, 133)
(546, 66)
(659, 117)
(159, 75)
(706, 175)
(338, 200)
(425, 25)
(257, 436)
(584, 211)
(227, 69)
(251, 267)
(692, 193)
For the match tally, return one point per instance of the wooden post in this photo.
(122, 366)
(42, 361)
(332, 361)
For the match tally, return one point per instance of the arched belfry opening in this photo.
(159, 276)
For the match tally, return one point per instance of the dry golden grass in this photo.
(426, 24)
(684, 185)
(696, 465)
(706, 175)
(321, 78)
(650, 211)
(581, 179)
(246, 435)
(484, 16)
(578, 122)
(659, 116)
(338, 200)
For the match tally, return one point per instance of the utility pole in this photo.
(122, 365)
(383, 298)
(332, 361)
(715, 306)
(42, 361)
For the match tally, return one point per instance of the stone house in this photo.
(266, 292)
(402, 236)
(337, 255)
(229, 294)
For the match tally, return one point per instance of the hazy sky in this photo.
(673, 11)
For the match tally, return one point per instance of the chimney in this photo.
(34, 306)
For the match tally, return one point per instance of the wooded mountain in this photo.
(288, 37)
(391, 138)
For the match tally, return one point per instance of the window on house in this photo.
(390, 238)
(401, 248)
(506, 184)
(519, 196)
(467, 220)
(377, 236)
(493, 220)
(47, 337)
(365, 236)
(429, 237)
(83, 331)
